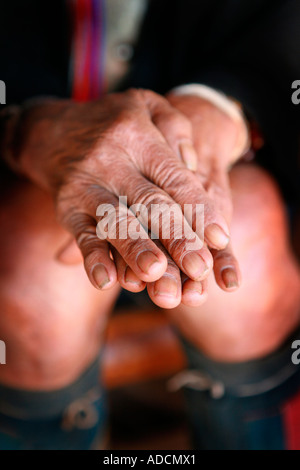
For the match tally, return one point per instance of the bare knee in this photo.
(257, 317)
(52, 318)
(259, 211)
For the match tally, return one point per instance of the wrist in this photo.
(27, 133)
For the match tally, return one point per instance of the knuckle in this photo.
(87, 240)
(80, 223)
(159, 160)
(68, 210)
(176, 246)
(178, 180)
(134, 93)
(123, 122)
(150, 96)
(152, 197)
(129, 249)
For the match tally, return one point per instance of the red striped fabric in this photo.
(87, 56)
(291, 418)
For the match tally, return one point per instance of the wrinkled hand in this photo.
(219, 142)
(130, 144)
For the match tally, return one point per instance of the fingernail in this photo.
(189, 156)
(100, 276)
(194, 290)
(130, 277)
(166, 286)
(229, 277)
(146, 260)
(216, 237)
(194, 266)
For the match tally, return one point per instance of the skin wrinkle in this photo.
(116, 129)
(151, 198)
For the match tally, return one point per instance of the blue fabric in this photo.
(73, 418)
(237, 420)
(49, 434)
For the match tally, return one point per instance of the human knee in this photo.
(52, 318)
(256, 318)
(259, 211)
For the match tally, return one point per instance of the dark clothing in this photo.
(72, 418)
(249, 49)
(34, 49)
(253, 405)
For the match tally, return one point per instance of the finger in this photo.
(164, 219)
(126, 276)
(140, 253)
(220, 192)
(175, 128)
(124, 231)
(226, 269)
(162, 168)
(213, 227)
(166, 291)
(96, 254)
(194, 293)
(149, 153)
(120, 228)
(178, 132)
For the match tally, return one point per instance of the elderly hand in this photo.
(134, 144)
(219, 141)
